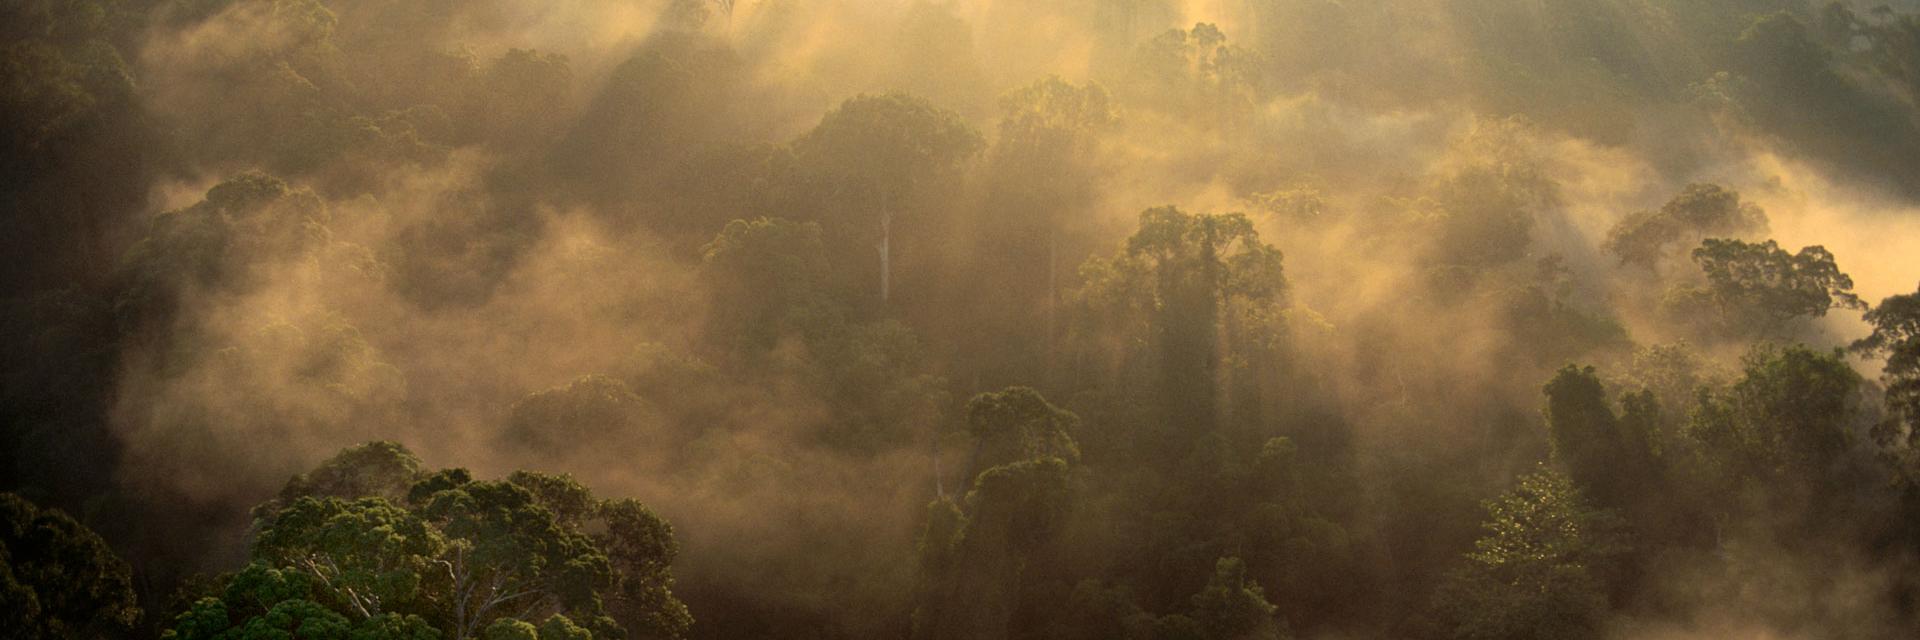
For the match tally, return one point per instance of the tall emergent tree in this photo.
(779, 310)
(1039, 168)
(984, 559)
(876, 150)
(1181, 284)
(1607, 457)
(977, 556)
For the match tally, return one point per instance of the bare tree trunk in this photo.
(886, 236)
(352, 597)
(1053, 299)
(939, 483)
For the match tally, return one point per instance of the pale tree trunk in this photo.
(1053, 296)
(939, 483)
(1053, 282)
(886, 236)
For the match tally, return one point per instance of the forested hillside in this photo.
(959, 319)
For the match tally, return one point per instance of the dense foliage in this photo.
(339, 555)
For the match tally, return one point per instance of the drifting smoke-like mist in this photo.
(467, 232)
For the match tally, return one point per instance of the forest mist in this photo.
(964, 319)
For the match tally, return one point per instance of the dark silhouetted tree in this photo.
(1896, 337)
(1699, 212)
(58, 579)
(1760, 289)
